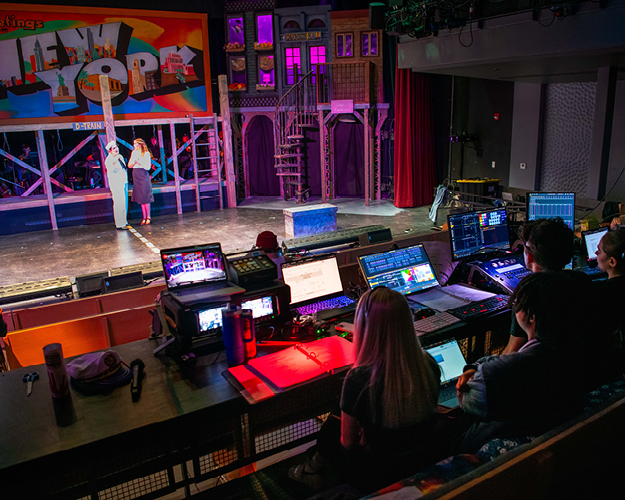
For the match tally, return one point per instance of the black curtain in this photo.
(260, 150)
(349, 152)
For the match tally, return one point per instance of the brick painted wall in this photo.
(357, 23)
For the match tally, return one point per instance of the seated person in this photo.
(611, 292)
(389, 425)
(617, 222)
(547, 246)
(530, 391)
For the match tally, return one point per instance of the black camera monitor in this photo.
(473, 232)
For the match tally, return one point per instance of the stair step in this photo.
(289, 174)
(295, 136)
(204, 144)
(293, 144)
(292, 183)
(289, 155)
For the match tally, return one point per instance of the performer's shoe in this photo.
(143, 222)
(148, 221)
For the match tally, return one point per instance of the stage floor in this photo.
(78, 250)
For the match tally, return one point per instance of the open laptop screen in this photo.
(592, 239)
(192, 266)
(405, 270)
(312, 279)
(449, 358)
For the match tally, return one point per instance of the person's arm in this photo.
(471, 389)
(351, 432)
(514, 344)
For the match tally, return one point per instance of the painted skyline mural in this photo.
(157, 63)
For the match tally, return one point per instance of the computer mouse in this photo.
(424, 313)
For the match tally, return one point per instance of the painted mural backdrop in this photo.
(157, 63)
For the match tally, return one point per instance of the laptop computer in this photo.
(451, 361)
(405, 270)
(196, 273)
(591, 240)
(316, 287)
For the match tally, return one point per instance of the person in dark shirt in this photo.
(547, 246)
(530, 391)
(390, 427)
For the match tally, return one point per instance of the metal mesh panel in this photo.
(217, 459)
(137, 487)
(288, 434)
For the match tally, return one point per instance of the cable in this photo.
(59, 142)
(606, 195)
(470, 31)
(552, 20)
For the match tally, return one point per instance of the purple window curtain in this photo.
(414, 162)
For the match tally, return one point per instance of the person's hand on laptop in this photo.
(461, 385)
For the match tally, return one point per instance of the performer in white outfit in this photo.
(118, 184)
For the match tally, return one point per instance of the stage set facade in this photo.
(300, 82)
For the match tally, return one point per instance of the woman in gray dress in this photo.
(140, 162)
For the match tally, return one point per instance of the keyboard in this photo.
(481, 308)
(447, 393)
(323, 305)
(433, 323)
(591, 271)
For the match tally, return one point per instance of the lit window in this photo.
(344, 45)
(317, 55)
(370, 43)
(264, 27)
(292, 58)
(235, 30)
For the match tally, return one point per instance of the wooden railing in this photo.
(343, 80)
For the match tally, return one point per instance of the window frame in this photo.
(336, 44)
(286, 68)
(368, 34)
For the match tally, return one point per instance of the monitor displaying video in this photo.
(209, 319)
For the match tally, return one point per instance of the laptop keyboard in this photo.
(202, 288)
(433, 323)
(322, 305)
(447, 393)
(590, 271)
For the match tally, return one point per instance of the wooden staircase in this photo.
(296, 110)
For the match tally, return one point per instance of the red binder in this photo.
(303, 362)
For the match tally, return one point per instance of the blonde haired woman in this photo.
(140, 162)
(390, 427)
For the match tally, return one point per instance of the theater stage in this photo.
(78, 250)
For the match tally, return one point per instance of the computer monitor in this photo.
(405, 270)
(473, 232)
(550, 206)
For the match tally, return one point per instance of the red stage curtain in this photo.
(414, 168)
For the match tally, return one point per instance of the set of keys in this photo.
(29, 378)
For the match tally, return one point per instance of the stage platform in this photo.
(89, 248)
(94, 206)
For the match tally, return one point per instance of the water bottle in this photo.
(232, 329)
(249, 334)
